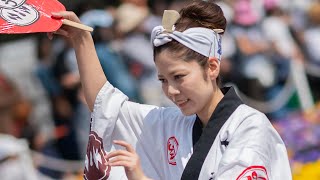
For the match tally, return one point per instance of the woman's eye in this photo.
(162, 80)
(176, 77)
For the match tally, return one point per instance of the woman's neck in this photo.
(206, 113)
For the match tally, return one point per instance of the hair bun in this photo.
(201, 14)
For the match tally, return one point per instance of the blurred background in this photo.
(271, 54)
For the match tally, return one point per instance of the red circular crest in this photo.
(172, 149)
(254, 173)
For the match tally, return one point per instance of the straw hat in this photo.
(129, 16)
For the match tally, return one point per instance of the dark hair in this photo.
(205, 14)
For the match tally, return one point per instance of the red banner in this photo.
(29, 16)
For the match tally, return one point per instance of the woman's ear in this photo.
(214, 68)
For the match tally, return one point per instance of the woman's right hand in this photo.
(73, 34)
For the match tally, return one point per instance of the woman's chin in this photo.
(187, 112)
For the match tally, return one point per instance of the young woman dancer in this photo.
(211, 134)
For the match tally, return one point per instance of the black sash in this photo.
(223, 111)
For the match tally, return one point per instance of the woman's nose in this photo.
(172, 90)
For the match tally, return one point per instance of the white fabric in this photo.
(20, 167)
(252, 139)
(202, 40)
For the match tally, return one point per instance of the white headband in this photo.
(202, 40)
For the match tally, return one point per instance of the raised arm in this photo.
(91, 73)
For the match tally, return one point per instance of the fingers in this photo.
(115, 160)
(129, 161)
(62, 32)
(125, 144)
(118, 153)
(66, 15)
(57, 14)
(66, 30)
(127, 158)
(124, 163)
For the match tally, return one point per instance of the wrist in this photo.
(81, 39)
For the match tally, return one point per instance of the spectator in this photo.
(112, 63)
(15, 159)
(311, 45)
(66, 73)
(252, 47)
(135, 46)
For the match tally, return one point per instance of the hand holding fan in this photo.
(31, 16)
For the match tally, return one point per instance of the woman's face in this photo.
(186, 84)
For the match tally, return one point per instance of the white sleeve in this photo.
(116, 118)
(255, 151)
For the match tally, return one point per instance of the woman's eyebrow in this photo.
(160, 76)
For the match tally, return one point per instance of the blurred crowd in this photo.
(262, 41)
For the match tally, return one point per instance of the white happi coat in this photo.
(246, 147)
